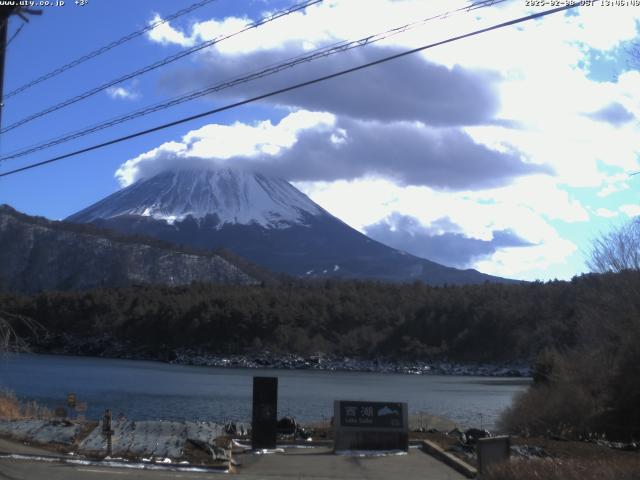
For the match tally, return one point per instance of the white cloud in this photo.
(631, 210)
(122, 93)
(332, 20)
(213, 144)
(129, 171)
(165, 34)
(614, 184)
(539, 194)
(318, 24)
(606, 213)
(242, 140)
(531, 263)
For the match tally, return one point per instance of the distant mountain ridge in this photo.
(263, 219)
(37, 254)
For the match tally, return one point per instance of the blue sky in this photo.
(506, 152)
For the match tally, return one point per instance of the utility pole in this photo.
(5, 13)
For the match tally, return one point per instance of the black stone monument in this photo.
(264, 414)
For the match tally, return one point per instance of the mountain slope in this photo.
(37, 254)
(263, 219)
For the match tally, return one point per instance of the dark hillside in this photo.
(478, 323)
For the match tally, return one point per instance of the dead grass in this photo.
(11, 408)
(548, 469)
(9, 405)
(561, 451)
(580, 451)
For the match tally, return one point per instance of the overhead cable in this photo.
(105, 48)
(158, 64)
(290, 88)
(272, 69)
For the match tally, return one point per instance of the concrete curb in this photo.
(448, 459)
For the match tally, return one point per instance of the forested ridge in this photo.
(475, 323)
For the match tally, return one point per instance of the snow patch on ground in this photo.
(153, 439)
(370, 453)
(40, 431)
(158, 441)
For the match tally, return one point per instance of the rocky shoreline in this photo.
(109, 347)
(268, 360)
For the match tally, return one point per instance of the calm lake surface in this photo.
(152, 390)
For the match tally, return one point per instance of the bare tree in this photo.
(10, 339)
(617, 250)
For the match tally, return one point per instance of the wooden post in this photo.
(106, 430)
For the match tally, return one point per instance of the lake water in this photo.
(152, 390)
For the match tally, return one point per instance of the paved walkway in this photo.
(321, 464)
(16, 447)
(314, 464)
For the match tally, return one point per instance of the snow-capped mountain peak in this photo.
(234, 196)
(262, 219)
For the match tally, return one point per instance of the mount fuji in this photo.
(263, 219)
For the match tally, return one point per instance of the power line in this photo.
(269, 70)
(15, 34)
(290, 88)
(160, 63)
(106, 48)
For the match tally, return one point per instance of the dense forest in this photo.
(490, 322)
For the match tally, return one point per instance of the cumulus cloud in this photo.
(411, 88)
(408, 153)
(238, 145)
(442, 241)
(312, 146)
(614, 114)
(549, 94)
